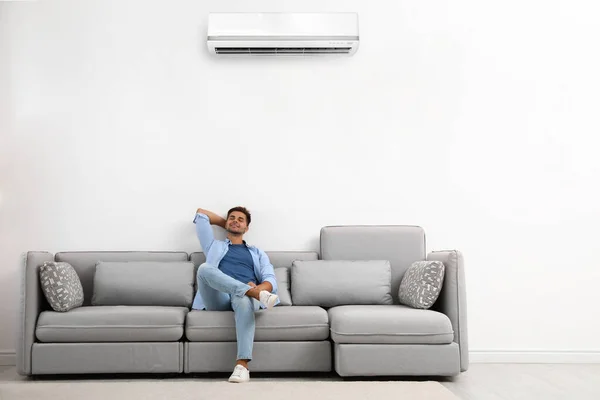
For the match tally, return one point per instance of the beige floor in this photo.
(481, 381)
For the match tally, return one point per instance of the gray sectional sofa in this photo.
(352, 339)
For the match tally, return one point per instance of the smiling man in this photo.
(235, 277)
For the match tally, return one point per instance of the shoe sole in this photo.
(272, 300)
(239, 380)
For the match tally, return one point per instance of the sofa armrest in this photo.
(453, 298)
(31, 306)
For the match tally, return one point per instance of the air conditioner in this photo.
(282, 34)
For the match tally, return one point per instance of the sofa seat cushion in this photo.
(389, 324)
(295, 323)
(144, 283)
(112, 324)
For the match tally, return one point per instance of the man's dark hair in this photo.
(242, 210)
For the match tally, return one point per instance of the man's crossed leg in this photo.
(221, 292)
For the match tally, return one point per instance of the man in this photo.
(235, 277)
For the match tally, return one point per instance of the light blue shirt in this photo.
(215, 250)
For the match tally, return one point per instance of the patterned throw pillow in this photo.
(61, 286)
(422, 284)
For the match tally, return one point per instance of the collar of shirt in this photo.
(243, 241)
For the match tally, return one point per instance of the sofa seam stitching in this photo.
(392, 334)
(259, 327)
(107, 326)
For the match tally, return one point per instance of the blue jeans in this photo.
(221, 292)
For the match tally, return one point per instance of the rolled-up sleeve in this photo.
(203, 216)
(267, 271)
(204, 231)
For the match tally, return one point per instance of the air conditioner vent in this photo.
(282, 50)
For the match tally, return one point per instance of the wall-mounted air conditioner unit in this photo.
(282, 34)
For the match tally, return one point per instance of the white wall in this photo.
(476, 121)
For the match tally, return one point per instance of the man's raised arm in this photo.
(203, 220)
(213, 218)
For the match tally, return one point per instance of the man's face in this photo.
(236, 223)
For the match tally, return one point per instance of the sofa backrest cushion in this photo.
(84, 263)
(400, 244)
(282, 276)
(144, 283)
(336, 283)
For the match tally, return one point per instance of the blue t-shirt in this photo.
(238, 263)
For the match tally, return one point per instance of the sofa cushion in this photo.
(392, 324)
(112, 324)
(335, 283)
(61, 286)
(85, 262)
(400, 244)
(144, 283)
(282, 275)
(422, 284)
(278, 324)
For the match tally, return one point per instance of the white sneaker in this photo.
(268, 299)
(240, 374)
